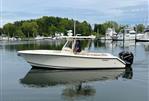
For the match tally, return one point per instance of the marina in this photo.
(74, 50)
(21, 81)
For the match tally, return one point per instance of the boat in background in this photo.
(110, 34)
(70, 35)
(129, 34)
(80, 37)
(38, 37)
(145, 37)
(47, 38)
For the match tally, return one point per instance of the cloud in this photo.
(94, 11)
(134, 14)
(75, 12)
(12, 16)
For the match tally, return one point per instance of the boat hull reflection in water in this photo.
(41, 77)
(75, 81)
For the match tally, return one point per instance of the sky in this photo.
(93, 11)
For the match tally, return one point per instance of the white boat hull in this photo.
(58, 60)
(145, 37)
(130, 37)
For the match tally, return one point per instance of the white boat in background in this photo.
(70, 35)
(92, 37)
(81, 37)
(5, 38)
(145, 37)
(46, 38)
(68, 58)
(129, 34)
(12, 39)
(110, 34)
(38, 37)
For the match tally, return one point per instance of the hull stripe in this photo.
(66, 67)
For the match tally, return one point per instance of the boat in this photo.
(70, 58)
(38, 37)
(70, 35)
(81, 37)
(145, 37)
(129, 34)
(46, 38)
(110, 34)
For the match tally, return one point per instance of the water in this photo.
(19, 82)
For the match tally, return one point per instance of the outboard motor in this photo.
(127, 57)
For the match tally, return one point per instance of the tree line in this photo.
(49, 25)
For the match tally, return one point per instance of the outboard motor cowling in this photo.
(127, 57)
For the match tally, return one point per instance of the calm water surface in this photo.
(21, 82)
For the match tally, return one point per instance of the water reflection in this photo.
(78, 91)
(121, 44)
(76, 81)
(88, 45)
(146, 46)
(43, 78)
(128, 73)
(31, 45)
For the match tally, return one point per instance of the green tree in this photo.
(19, 33)
(140, 28)
(1, 31)
(100, 29)
(111, 24)
(30, 28)
(34, 28)
(52, 30)
(86, 28)
(9, 29)
(26, 29)
(83, 28)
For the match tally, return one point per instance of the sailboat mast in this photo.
(74, 28)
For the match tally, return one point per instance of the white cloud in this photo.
(93, 11)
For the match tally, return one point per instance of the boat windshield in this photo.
(72, 44)
(69, 44)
